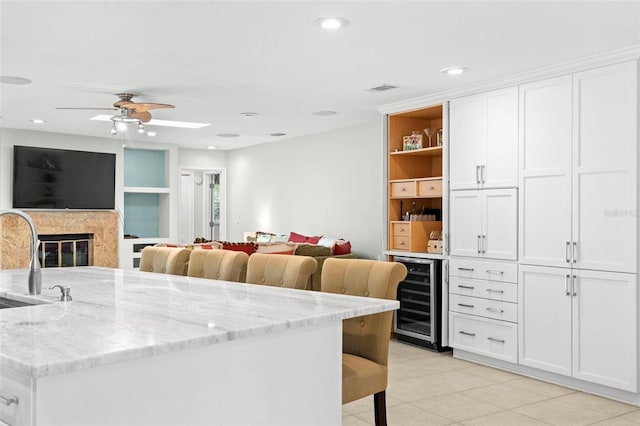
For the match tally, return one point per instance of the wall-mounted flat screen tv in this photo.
(45, 178)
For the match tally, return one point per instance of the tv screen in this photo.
(45, 178)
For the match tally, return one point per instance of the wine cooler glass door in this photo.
(416, 316)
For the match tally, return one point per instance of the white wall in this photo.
(326, 184)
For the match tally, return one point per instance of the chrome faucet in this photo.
(35, 275)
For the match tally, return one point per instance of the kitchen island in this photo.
(136, 348)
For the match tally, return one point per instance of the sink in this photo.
(6, 302)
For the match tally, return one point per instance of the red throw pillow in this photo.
(299, 238)
(248, 248)
(344, 248)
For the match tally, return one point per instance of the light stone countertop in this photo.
(120, 315)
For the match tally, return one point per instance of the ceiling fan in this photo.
(128, 108)
(129, 111)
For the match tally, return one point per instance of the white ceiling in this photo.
(216, 59)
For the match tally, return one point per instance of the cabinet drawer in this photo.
(496, 339)
(401, 243)
(403, 189)
(401, 229)
(14, 385)
(493, 290)
(504, 311)
(484, 270)
(430, 188)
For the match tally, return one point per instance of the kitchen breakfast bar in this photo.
(138, 348)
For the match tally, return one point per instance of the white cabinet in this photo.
(483, 139)
(579, 323)
(483, 308)
(16, 405)
(578, 170)
(484, 223)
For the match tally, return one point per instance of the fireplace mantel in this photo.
(14, 233)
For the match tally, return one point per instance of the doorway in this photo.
(201, 213)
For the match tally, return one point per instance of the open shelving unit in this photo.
(148, 201)
(414, 180)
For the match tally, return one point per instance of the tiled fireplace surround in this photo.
(14, 233)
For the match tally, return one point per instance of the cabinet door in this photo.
(604, 168)
(500, 157)
(466, 223)
(500, 223)
(544, 318)
(605, 330)
(545, 172)
(465, 142)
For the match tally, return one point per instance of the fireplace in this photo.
(65, 250)
(102, 225)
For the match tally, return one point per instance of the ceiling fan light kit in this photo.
(130, 112)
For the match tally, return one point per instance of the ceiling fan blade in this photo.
(143, 116)
(97, 108)
(142, 106)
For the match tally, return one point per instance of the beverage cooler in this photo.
(420, 319)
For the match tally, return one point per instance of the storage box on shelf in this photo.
(483, 308)
(410, 235)
(415, 179)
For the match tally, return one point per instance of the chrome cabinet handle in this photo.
(493, 339)
(566, 285)
(465, 306)
(573, 252)
(467, 334)
(491, 271)
(573, 286)
(499, 311)
(478, 175)
(566, 252)
(490, 290)
(479, 245)
(465, 269)
(482, 179)
(484, 244)
(468, 287)
(9, 401)
(446, 244)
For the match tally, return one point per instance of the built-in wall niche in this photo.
(146, 193)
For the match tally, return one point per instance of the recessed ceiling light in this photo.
(454, 70)
(211, 147)
(324, 113)
(331, 23)
(277, 134)
(228, 135)
(154, 122)
(249, 114)
(37, 121)
(9, 79)
(152, 134)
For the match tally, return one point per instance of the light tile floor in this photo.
(428, 388)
